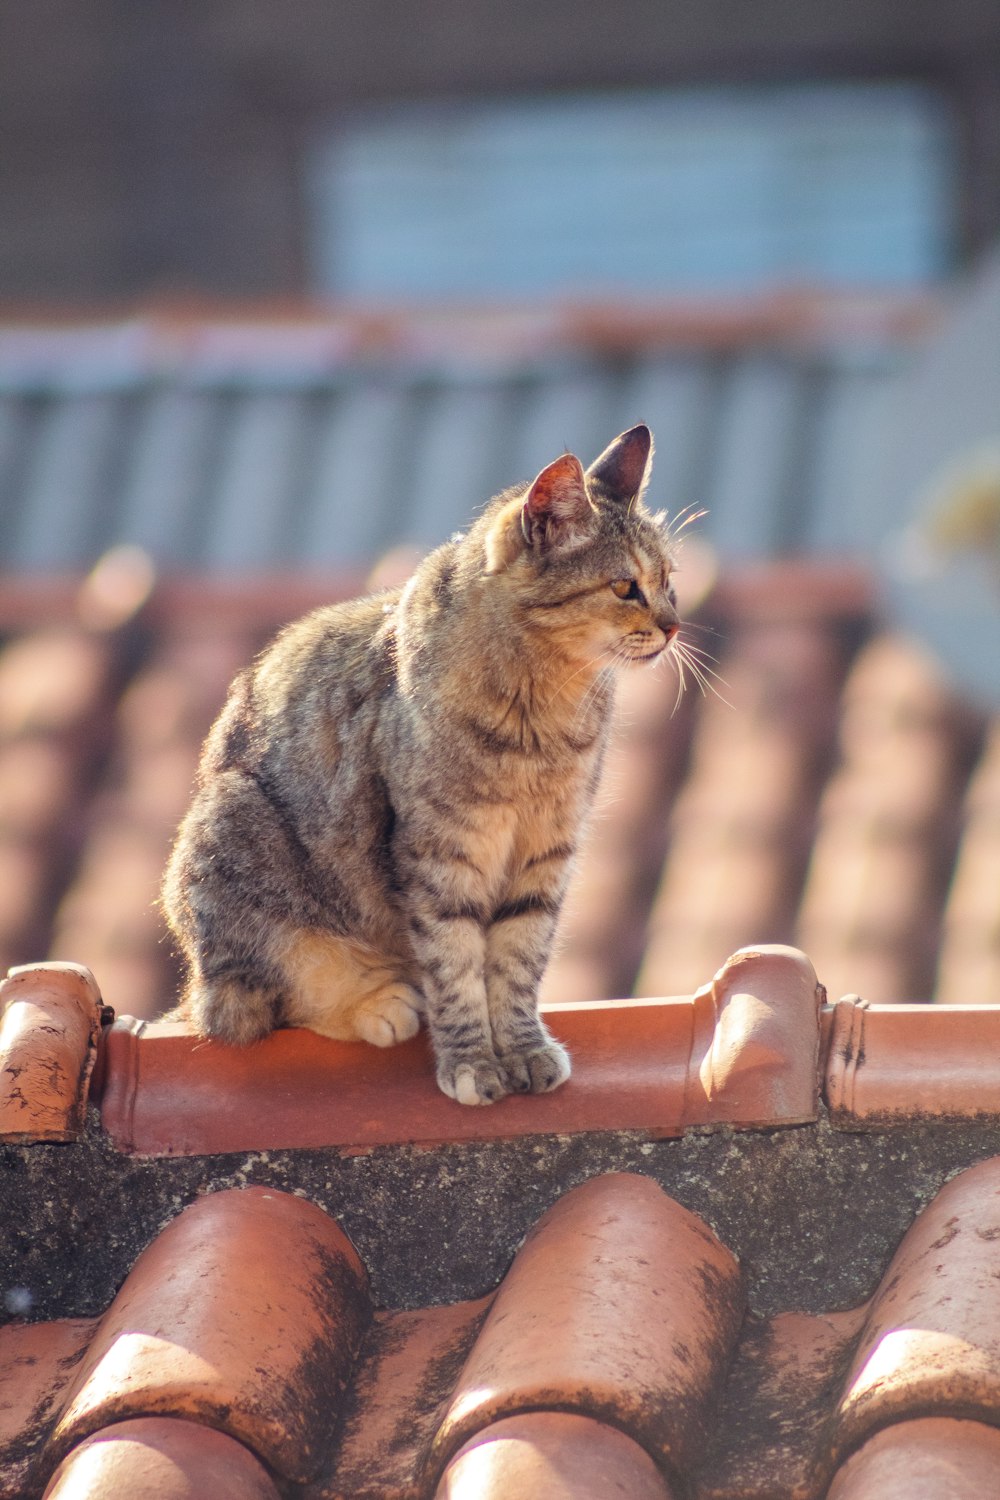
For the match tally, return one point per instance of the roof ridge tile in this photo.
(889, 1064)
(761, 1012)
(741, 1053)
(51, 1021)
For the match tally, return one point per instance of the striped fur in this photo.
(388, 806)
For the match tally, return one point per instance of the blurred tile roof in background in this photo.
(840, 797)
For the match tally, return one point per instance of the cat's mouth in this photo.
(636, 657)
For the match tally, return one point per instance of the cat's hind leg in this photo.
(389, 1015)
(343, 990)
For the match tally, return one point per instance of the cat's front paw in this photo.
(472, 1081)
(536, 1070)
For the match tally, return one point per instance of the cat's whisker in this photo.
(686, 656)
(699, 625)
(678, 664)
(684, 518)
(704, 660)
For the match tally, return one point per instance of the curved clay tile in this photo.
(969, 957)
(936, 1458)
(931, 1342)
(37, 1362)
(741, 1052)
(160, 1458)
(404, 1375)
(889, 1063)
(739, 827)
(552, 1455)
(758, 1063)
(245, 1313)
(48, 1043)
(621, 1306)
(882, 854)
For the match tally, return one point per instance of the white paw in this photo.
(390, 1017)
(480, 1082)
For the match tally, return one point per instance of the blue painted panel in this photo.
(680, 191)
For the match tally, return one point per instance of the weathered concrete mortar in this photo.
(813, 1213)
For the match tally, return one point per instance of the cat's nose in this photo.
(668, 622)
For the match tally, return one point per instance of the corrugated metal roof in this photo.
(261, 445)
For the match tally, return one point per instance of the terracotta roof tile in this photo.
(37, 1362)
(160, 1458)
(246, 1312)
(56, 689)
(621, 1305)
(931, 1458)
(49, 1030)
(887, 827)
(931, 1341)
(603, 932)
(405, 1375)
(553, 1454)
(776, 1406)
(739, 830)
(969, 962)
(754, 1047)
(109, 912)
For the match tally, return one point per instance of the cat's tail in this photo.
(230, 1008)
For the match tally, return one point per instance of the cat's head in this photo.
(590, 566)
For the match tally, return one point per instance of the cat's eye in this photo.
(627, 588)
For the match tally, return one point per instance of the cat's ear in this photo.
(556, 507)
(623, 468)
(556, 512)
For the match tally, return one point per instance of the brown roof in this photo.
(731, 1259)
(841, 799)
(632, 1340)
(617, 1355)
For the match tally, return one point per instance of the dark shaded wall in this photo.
(157, 147)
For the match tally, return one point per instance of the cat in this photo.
(388, 807)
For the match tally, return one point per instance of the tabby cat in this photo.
(390, 801)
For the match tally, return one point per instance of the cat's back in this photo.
(300, 699)
(338, 649)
